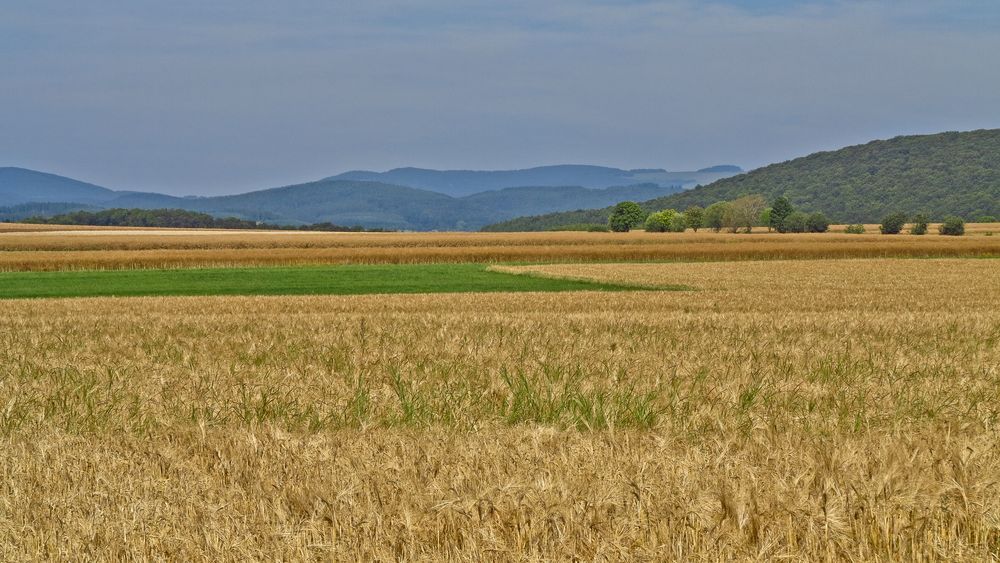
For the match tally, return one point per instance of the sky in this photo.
(209, 97)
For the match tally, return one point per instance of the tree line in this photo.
(943, 175)
(744, 213)
(176, 218)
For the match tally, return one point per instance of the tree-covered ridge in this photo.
(16, 213)
(341, 202)
(459, 183)
(939, 175)
(177, 218)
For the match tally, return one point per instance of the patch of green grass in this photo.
(325, 280)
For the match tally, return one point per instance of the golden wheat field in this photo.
(24, 247)
(781, 409)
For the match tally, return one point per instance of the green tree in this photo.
(625, 216)
(817, 223)
(796, 222)
(780, 209)
(695, 216)
(919, 226)
(855, 229)
(678, 223)
(715, 215)
(892, 224)
(659, 222)
(765, 219)
(954, 226)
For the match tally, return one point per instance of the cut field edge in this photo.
(630, 286)
(381, 279)
(227, 265)
(763, 258)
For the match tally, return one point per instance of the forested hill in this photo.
(21, 186)
(942, 174)
(460, 183)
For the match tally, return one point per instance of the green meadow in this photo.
(325, 280)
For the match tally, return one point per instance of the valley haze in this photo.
(403, 198)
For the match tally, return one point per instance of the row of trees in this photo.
(741, 214)
(178, 218)
(893, 224)
(744, 213)
(784, 218)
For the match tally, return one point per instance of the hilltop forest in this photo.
(938, 175)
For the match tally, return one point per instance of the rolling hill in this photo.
(20, 186)
(943, 174)
(343, 202)
(514, 202)
(461, 183)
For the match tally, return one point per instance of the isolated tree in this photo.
(892, 224)
(624, 216)
(855, 229)
(746, 212)
(715, 215)
(729, 218)
(954, 226)
(678, 223)
(659, 222)
(817, 223)
(919, 226)
(765, 219)
(796, 222)
(695, 217)
(780, 209)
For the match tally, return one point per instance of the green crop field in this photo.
(325, 280)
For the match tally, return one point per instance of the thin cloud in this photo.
(186, 97)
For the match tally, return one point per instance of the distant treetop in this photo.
(944, 174)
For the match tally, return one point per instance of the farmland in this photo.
(25, 249)
(336, 280)
(809, 396)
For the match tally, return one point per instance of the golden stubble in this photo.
(111, 249)
(810, 410)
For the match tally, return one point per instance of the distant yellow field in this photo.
(92, 249)
(808, 410)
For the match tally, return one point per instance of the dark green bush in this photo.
(919, 226)
(893, 224)
(954, 226)
(715, 215)
(780, 210)
(856, 229)
(795, 222)
(695, 216)
(625, 216)
(817, 223)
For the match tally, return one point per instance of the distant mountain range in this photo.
(404, 198)
(460, 183)
(955, 173)
(20, 185)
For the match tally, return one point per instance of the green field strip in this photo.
(326, 280)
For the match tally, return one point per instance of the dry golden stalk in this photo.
(812, 410)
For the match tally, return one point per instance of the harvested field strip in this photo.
(335, 280)
(75, 253)
(141, 239)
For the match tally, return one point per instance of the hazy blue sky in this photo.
(201, 96)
